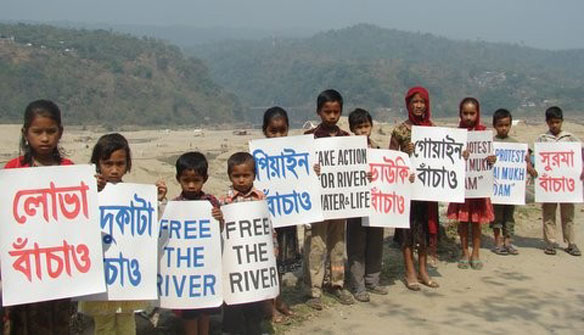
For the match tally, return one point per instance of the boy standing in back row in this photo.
(504, 224)
(364, 244)
(554, 118)
(326, 238)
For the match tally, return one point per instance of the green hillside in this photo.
(373, 68)
(99, 77)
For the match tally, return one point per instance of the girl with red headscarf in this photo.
(473, 211)
(423, 214)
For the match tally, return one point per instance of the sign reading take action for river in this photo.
(343, 176)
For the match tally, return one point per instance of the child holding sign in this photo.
(473, 211)
(554, 118)
(364, 244)
(39, 146)
(325, 241)
(504, 222)
(112, 158)
(191, 174)
(244, 319)
(423, 214)
(276, 125)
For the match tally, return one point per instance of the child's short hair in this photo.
(274, 113)
(239, 158)
(195, 161)
(501, 113)
(328, 96)
(359, 116)
(554, 112)
(109, 143)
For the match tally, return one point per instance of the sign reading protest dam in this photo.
(479, 174)
(438, 163)
(509, 172)
(50, 236)
(390, 189)
(285, 173)
(129, 230)
(558, 165)
(249, 265)
(345, 191)
(190, 274)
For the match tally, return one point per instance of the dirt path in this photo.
(527, 294)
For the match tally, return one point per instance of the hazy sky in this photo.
(552, 24)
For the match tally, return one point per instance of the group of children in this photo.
(325, 243)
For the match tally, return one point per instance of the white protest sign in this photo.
(558, 165)
(50, 237)
(249, 265)
(509, 173)
(438, 163)
(286, 175)
(129, 229)
(345, 191)
(190, 274)
(390, 189)
(479, 174)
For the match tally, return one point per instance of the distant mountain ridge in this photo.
(373, 67)
(100, 77)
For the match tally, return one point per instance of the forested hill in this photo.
(373, 67)
(99, 77)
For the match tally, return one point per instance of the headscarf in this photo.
(425, 119)
(432, 207)
(477, 125)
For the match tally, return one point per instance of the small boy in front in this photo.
(244, 319)
(554, 118)
(326, 238)
(504, 221)
(364, 244)
(191, 174)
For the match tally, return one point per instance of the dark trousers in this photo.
(244, 319)
(364, 251)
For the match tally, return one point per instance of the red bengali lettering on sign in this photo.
(52, 201)
(387, 202)
(556, 184)
(51, 261)
(390, 171)
(555, 159)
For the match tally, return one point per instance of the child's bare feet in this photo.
(283, 308)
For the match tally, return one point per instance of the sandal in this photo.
(549, 250)
(430, 283)
(315, 303)
(476, 264)
(362, 296)
(501, 251)
(412, 286)
(511, 250)
(573, 250)
(463, 264)
(433, 263)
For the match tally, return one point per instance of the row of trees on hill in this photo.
(101, 77)
(373, 68)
